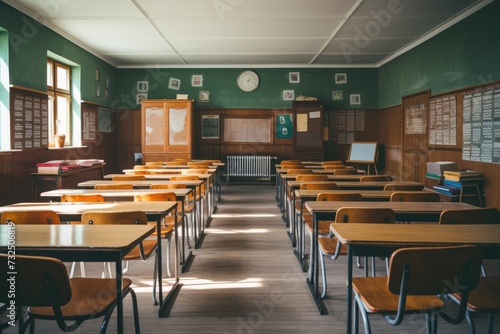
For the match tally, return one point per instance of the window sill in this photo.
(65, 147)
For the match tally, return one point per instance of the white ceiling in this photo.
(230, 33)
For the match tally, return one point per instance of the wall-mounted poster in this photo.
(210, 127)
(416, 119)
(284, 126)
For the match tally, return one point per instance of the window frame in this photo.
(55, 91)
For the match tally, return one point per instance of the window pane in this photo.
(50, 75)
(62, 115)
(62, 78)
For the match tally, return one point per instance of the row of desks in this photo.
(81, 242)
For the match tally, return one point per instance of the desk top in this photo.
(142, 184)
(398, 207)
(416, 234)
(158, 176)
(74, 236)
(77, 209)
(71, 172)
(355, 185)
(367, 194)
(182, 192)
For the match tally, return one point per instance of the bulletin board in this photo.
(247, 130)
(29, 119)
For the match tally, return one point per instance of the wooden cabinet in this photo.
(166, 130)
(308, 130)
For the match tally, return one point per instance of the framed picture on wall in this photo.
(197, 80)
(288, 95)
(142, 86)
(340, 78)
(294, 77)
(141, 96)
(355, 99)
(337, 95)
(174, 84)
(204, 96)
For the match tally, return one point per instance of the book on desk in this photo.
(62, 166)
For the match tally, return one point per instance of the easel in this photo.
(364, 153)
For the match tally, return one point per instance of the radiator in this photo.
(255, 166)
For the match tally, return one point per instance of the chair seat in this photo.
(376, 297)
(486, 296)
(323, 226)
(91, 298)
(149, 246)
(328, 246)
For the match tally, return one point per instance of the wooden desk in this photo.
(383, 239)
(79, 243)
(311, 195)
(194, 184)
(155, 211)
(405, 211)
(66, 179)
(128, 195)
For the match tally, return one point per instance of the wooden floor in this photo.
(245, 279)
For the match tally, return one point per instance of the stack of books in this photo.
(55, 167)
(454, 180)
(435, 170)
(61, 166)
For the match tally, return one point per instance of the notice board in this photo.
(29, 117)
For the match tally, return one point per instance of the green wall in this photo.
(466, 54)
(224, 93)
(29, 43)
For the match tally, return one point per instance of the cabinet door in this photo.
(179, 126)
(153, 129)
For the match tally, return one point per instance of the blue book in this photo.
(448, 190)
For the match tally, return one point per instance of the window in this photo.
(58, 88)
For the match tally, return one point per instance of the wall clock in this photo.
(248, 81)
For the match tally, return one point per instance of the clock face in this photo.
(248, 81)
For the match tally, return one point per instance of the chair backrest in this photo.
(339, 197)
(365, 215)
(155, 163)
(336, 167)
(184, 178)
(167, 186)
(195, 171)
(140, 167)
(149, 197)
(82, 198)
(370, 178)
(290, 161)
(176, 163)
(319, 186)
(332, 162)
(29, 217)
(32, 274)
(345, 171)
(470, 216)
(297, 171)
(404, 187)
(311, 177)
(115, 217)
(114, 186)
(128, 178)
(414, 196)
(453, 268)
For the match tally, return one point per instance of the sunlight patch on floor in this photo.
(250, 230)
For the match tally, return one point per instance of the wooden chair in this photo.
(311, 177)
(345, 171)
(43, 285)
(319, 186)
(82, 198)
(414, 196)
(143, 251)
(169, 223)
(155, 163)
(195, 171)
(35, 217)
(485, 298)
(114, 186)
(410, 289)
(373, 178)
(403, 187)
(128, 178)
(332, 248)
